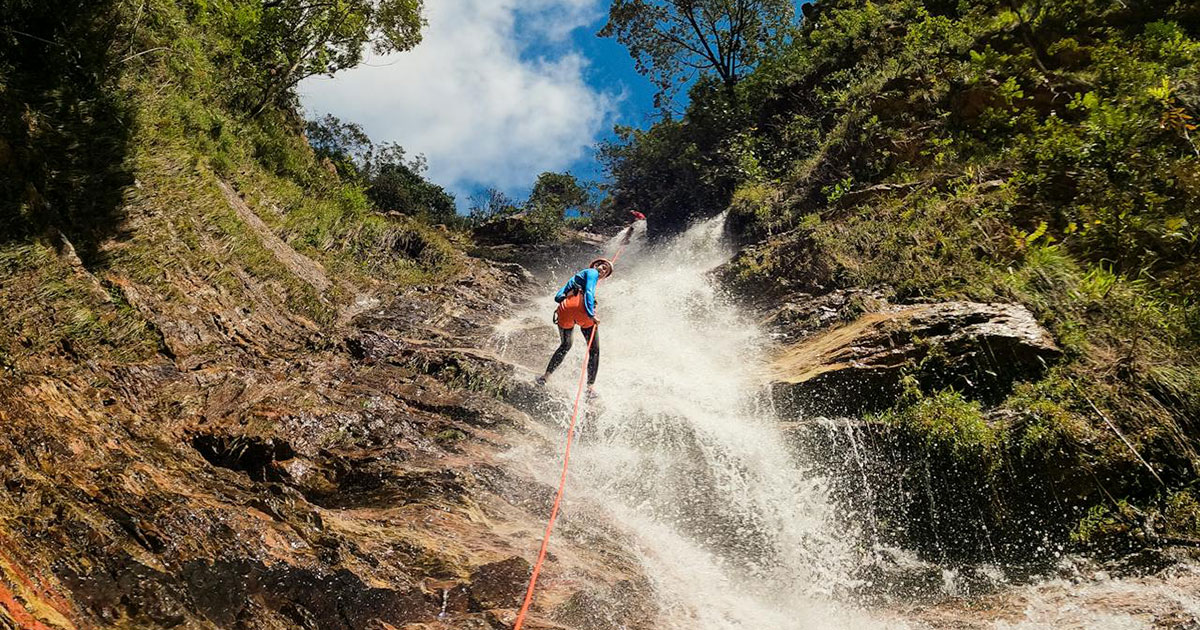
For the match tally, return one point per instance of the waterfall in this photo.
(733, 530)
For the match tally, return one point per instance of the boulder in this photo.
(538, 259)
(804, 315)
(978, 349)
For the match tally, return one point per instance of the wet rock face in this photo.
(254, 456)
(537, 260)
(933, 508)
(500, 584)
(227, 593)
(346, 479)
(849, 354)
(619, 607)
(979, 349)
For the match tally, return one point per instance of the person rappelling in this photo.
(637, 216)
(577, 307)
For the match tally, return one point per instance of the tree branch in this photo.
(737, 35)
(1027, 33)
(679, 42)
(286, 80)
(700, 34)
(144, 52)
(713, 23)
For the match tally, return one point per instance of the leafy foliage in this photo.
(560, 191)
(392, 182)
(679, 170)
(671, 39)
(1019, 150)
(59, 83)
(489, 204)
(290, 40)
(541, 217)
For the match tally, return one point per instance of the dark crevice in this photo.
(252, 455)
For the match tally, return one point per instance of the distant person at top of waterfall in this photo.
(577, 307)
(637, 216)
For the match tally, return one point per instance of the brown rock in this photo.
(979, 349)
(329, 166)
(500, 584)
(587, 610)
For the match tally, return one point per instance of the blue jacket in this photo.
(584, 281)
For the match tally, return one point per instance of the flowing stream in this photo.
(734, 530)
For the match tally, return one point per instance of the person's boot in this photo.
(592, 394)
(540, 381)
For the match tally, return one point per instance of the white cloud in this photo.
(468, 100)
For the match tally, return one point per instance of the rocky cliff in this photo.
(260, 470)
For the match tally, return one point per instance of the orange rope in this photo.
(562, 482)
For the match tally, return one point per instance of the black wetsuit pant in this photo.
(564, 346)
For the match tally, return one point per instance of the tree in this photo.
(490, 203)
(557, 191)
(395, 183)
(301, 38)
(392, 181)
(346, 145)
(670, 172)
(669, 39)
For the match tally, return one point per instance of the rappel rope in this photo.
(562, 482)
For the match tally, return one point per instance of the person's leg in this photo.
(593, 336)
(564, 346)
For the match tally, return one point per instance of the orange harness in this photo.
(572, 312)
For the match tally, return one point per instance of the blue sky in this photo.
(609, 68)
(498, 91)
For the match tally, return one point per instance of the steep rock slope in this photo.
(233, 393)
(265, 471)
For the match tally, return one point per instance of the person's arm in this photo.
(591, 278)
(566, 289)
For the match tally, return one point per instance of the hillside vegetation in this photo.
(1043, 153)
(122, 122)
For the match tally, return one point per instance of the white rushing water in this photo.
(734, 530)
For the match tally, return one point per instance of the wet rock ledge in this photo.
(861, 365)
(900, 407)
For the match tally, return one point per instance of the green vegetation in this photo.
(557, 201)
(671, 39)
(119, 125)
(284, 41)
(392, 182)
(1036, 152)
(946, 420)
